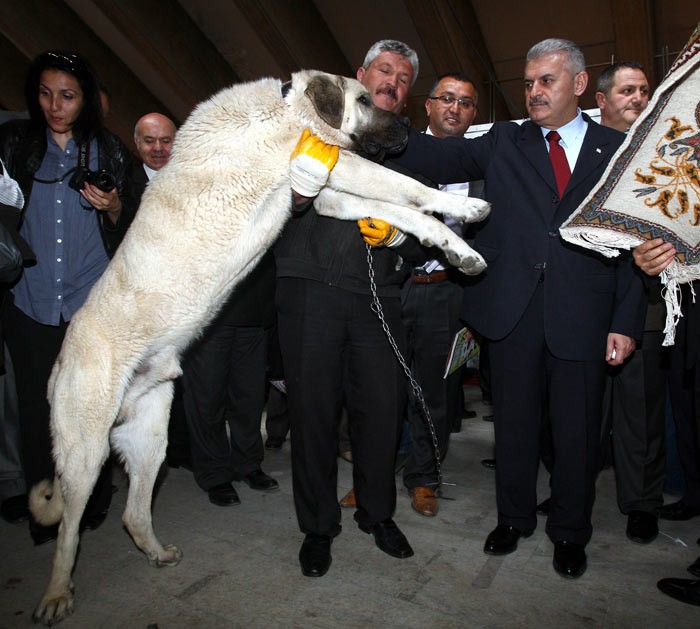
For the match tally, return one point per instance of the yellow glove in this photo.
(311, 163)
(378, 233)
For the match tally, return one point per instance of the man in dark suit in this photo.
(154, 134)
(653, 256)
(554, 314)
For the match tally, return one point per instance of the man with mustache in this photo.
(553, 314)
(334, 349)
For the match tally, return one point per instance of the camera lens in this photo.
(103, 180)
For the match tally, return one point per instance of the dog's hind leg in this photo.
(80, 469)
(141, 441)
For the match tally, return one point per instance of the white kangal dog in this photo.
(204, 222)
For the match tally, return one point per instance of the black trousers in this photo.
(34, 348)
(224, 383)
(634, 407)
(530, 383)
(684, 392)
(431, 318)
(334, 350)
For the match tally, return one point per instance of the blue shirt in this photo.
(65, 237)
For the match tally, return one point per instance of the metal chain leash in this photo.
(415, 387)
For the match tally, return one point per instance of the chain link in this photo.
(415, 387)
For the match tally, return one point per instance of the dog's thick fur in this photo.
(204, 222)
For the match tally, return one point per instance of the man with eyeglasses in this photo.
(431, 300)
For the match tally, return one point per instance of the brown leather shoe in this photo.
(424, 501)
(348, 500)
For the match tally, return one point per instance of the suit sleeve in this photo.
(630, 300)
(447, 160)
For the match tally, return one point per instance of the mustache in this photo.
(390, 91)
(538, 100)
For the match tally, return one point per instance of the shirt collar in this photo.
(150, 173)
(571, 131)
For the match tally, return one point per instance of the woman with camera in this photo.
(72, 172)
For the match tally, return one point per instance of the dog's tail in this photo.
(46, 502)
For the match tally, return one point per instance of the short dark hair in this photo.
(606, 80)
(457, 76)
(89, 121)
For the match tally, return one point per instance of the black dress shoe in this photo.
(684, 590)
(569, 559)
(642, 527)
(315, 555)
(389, 538)
(488, 418)
(543, 507)
(260, 481)
(223, 495)
(274, 443)
(504, 540)
(694, 568)
(678, 511)
(489, 463)
(469, 414)
(15, 509)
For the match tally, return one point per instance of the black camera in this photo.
(101, 178)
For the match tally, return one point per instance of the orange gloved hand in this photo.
(311, 163)
(379, 233)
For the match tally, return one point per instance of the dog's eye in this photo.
(365, 100)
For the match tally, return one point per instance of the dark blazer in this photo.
(586, 295)
(137, 182)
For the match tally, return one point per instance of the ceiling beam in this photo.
(295, 34)
(177, 51)
(634, 40)
(450, 33)
(59, 27)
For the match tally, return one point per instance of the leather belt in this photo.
(429, 278)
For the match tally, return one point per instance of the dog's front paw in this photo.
(53, 609)
(470, 210)
(470, 264)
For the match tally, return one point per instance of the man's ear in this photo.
(580, 83)
(600, 100)
(327, 98)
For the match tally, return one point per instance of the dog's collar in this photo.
(285, 88)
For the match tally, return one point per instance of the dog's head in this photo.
(340, 111)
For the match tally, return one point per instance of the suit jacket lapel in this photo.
(533, 148)
(594, 150)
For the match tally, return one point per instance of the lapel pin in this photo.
(597, 150)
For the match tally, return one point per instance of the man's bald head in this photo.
(153, 135)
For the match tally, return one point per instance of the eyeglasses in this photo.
(448, 99)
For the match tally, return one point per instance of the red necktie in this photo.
(562, 173)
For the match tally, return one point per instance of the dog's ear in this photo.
(328, 100)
